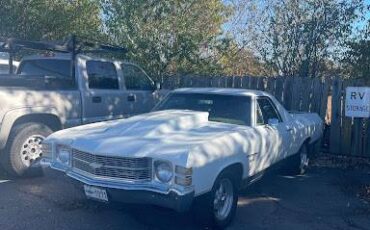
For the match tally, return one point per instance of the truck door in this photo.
(101, 92)
(140, 89)
(279, 137)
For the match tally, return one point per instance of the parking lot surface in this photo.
(322, 199)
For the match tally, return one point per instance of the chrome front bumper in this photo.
(174, 197)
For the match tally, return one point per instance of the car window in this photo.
(102, 75)
(221, 108)
(267, 111)
(135, 78)
(46, 67)
(259, 116)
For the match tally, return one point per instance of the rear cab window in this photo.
(221, 108)
(46, 67)
(102, 75)
(59, 71)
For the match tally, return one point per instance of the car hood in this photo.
(168, 134)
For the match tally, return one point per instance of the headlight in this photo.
(163, 171)
(63, 154)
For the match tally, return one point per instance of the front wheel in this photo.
(23, 147)
(217, 208)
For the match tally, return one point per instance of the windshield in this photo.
(222, 108)
(46, 67)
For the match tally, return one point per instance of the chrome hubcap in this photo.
(223, 200)
(31, 149)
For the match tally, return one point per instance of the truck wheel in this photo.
(299, 164)
(304, 159)
(23, 147)
(217, 208)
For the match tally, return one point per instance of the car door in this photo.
(140, 89)
(278, 135)
(101, 94)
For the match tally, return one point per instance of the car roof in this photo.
(223, 91)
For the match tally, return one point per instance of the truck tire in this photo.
(23, 147)
(217, 208)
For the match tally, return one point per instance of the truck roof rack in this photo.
(71, 45)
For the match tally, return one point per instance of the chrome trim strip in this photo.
(152, 186)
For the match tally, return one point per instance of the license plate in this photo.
(96, 193)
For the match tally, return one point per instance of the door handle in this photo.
(96, 99)
(131, 97)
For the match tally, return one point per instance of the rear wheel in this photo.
(217, 208)
(304, 159)
(23, 147)
(299, 162)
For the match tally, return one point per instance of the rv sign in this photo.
(357, 102)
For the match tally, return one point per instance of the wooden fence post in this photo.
(335, 129)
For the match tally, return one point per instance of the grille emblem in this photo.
(95, 165)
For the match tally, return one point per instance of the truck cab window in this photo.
(46, 67)
(267, 111)
(102, 75)
(135, 78)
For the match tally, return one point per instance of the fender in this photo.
(11, 117)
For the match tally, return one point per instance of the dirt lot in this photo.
(323, 199)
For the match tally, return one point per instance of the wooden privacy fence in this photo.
(343, 135)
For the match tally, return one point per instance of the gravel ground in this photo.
(323, 199)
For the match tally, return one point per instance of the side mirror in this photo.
(273, 122)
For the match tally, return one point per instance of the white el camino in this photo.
(197, 148)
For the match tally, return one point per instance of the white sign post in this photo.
(357, 102)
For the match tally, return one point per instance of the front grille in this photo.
(125, 168)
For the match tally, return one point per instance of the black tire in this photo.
(299, 163)
(203, 208)
(11, 157)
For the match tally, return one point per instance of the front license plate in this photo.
(96, 193)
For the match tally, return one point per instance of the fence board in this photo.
(356, 137)
(346, 137)
(238, 82)
(316, 95)
(271, 85)
(335, 130)
(279, 90)
(246, 82)
(306, 95)
(288, 93)
(253, 83)
(367, 139)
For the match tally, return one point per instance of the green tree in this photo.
(167, 37)
(52, 19)
(357, 57)
(299, 37)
